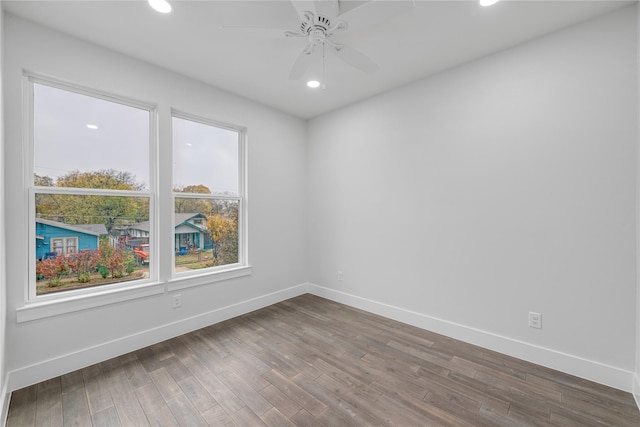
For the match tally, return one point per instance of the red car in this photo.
(142, 253)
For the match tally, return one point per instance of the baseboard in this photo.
(636, 388)
(60, 365)
(574, 365)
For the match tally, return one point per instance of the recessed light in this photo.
(488, 2)
(313, 84)
(93, 127)
(161, 6)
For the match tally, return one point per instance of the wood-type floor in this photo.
(312, 362)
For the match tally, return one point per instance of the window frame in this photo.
(180, 280)
(29, 80)
(162, 278)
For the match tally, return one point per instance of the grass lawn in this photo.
(195, 260)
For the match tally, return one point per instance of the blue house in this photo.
(190, 231)
(57, 238)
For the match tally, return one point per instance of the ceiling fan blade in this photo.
(374, 12)
(262, 31)
(355, 58)
(303, 61)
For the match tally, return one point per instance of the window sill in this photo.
(43, 309)
(188, 280)
(55, 307)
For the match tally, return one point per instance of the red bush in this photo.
(83, 264)
(53, 269)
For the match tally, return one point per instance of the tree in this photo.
(199, 188)
(43, 181)
(109, 179)
(224, 233)
(107, 210)
(188, 205)
(44, 204)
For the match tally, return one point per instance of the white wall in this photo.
(4, 403)
(42, 348)
(636, 387)
(507, 185)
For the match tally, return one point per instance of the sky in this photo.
(202, 154)
(205, 154)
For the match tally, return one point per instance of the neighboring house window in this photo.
(66, 245)
(208, 190)
(71, 245)
(89, 179)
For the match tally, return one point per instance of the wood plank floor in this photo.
(312, 362)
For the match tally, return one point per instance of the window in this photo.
(90, 189)
(64, 246)
(208, 195)
(93, 200)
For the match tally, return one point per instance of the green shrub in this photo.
(104, 271)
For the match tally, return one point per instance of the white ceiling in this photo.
(428, 37)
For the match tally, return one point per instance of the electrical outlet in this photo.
(535, 320)
(177, 301)
(340, 276)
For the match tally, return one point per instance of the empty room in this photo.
(319, 213)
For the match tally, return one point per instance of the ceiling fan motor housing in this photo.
(314, 22)
(318, 22)
(316, 14)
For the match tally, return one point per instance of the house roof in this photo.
(96, 228)
(144, 226)
(183, 219)
(178, 219)
(93, 229)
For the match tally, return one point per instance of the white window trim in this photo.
(68, 298)
(185, 279)
(45, 306)
(72, 301)
(222, 273)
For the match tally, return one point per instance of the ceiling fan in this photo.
(320, 20)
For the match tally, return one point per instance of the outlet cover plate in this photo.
(535, 320)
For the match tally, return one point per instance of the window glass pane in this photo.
(71, 245)
(56, 245)
(205, 158)
(205, 233)
(86, 142)
(84, 241)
